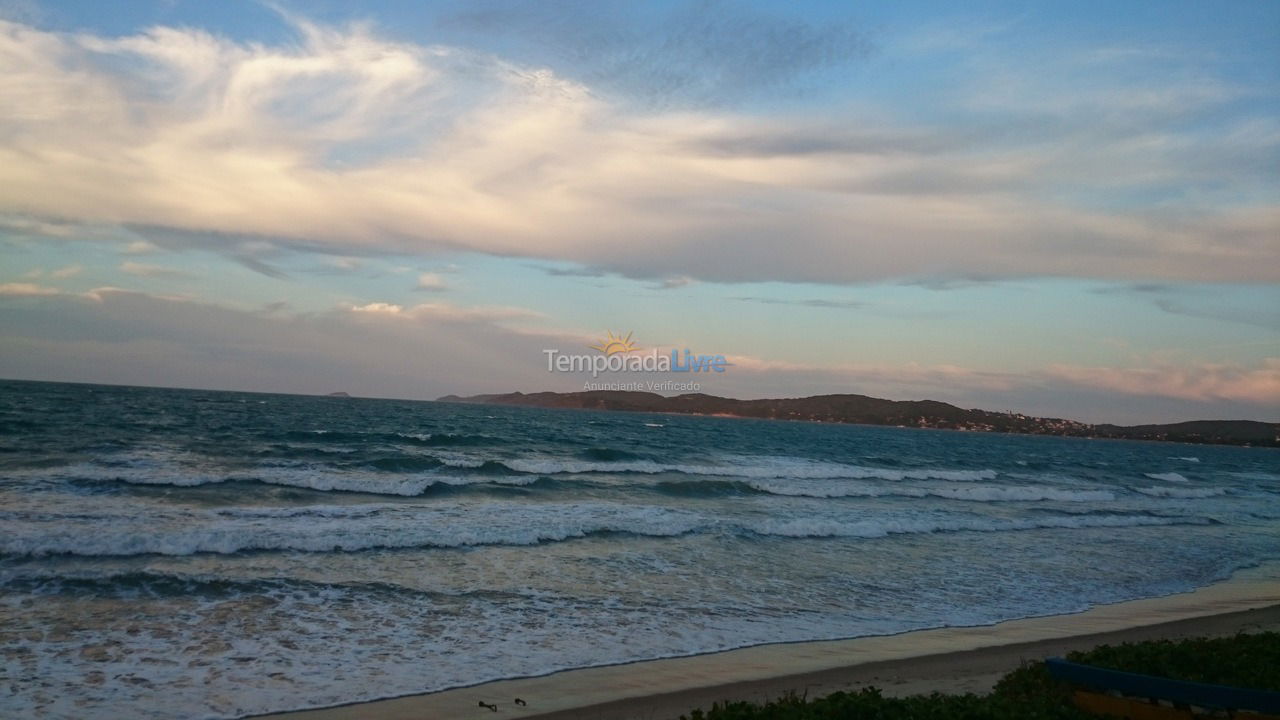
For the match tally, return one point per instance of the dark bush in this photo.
(1029, 692)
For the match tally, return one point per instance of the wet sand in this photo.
(949, 660)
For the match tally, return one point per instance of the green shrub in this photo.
(1029, 692)
(1250, 661)
(1031, 697)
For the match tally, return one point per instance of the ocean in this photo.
(192, 553)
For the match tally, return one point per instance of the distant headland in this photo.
(865, 410)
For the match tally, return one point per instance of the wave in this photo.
(1168, 477)
(1257, 475)
(764, 468)
(1180, 493)
(977, 493)
(322, 529)
(228, 531)
(320, 511)
(446, 439)
(819, 528)
(319, 480)
(150, 584)
(392, 438)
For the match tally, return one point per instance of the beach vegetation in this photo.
(1030, 692)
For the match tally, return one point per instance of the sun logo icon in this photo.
(615, 344)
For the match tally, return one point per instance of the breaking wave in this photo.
(765, 468)
(1181, 493)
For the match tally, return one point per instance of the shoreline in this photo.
(949, 660)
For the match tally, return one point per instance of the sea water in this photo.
(183, 553)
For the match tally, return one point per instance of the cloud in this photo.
(260, 267)
(96, 295)
(1258, 308)
(344, 263)
(61, 273)
(349, 143)
(954, 282)
(1184, 391)
(152, 271)
(573, 272)
(447, 312)
(139, 247)
(1257, 386)
(909, 378)
(140, 339)
(27, 290)
(1263, 316)
(1136, 288)
(431, 282)
(811, 302)
(672, 283)
(378, 308)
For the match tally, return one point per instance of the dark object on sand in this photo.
(484, 704)
(521, 702)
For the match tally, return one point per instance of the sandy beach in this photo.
(949, 660)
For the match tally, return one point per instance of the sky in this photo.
(1063, 209)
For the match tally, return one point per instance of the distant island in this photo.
(865, 410)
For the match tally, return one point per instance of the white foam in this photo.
(441, 525)
(1187, 459)
(1181, 493)
(820, 528)
(321, 479)
(975, 493)
(747, 468)
(325, 511)
(1168, 477)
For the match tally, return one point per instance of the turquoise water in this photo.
(177, 553)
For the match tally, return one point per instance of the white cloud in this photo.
(135, 338)
(27, 289)
(672, 283)
(344, 263)
(908, 377)
(448, 312)
(66, 272)
(378, 308)
(431, 282)
(483, 313)
(152, 271)
(139, 247)
(1210, 381)
(349, 142)
(96, 294)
